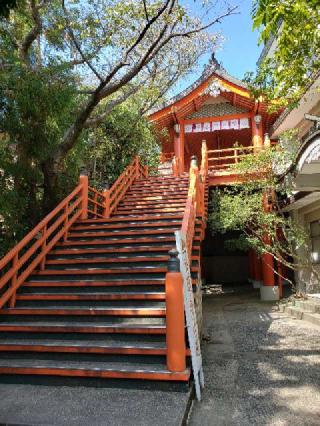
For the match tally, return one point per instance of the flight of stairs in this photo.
(98, 307)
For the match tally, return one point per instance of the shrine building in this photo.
(219, 109)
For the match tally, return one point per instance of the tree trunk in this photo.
(50, 186)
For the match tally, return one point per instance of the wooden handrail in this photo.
(112, 196)
(195, 204)
(31, 251)
(226, 161)
(166, 156)
(234, 148)
(22, 260)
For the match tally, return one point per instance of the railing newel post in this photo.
(12, 302)
(84, 192)
(43, 247)
(175, 323)
(65, 235)
(106, 195)
(137, 167)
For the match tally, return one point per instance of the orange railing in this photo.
(166, 156)
(195, 205)
(113, 195)
(30, 253)
(96, 203)
(222, 159)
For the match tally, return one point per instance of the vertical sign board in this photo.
(190, 311)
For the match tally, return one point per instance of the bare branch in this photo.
(34, 32)
(95, 121)
(229, 12)
(77, 44)
(145, 10)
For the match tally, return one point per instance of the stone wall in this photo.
(307, 280)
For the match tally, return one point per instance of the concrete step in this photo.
(301, 314)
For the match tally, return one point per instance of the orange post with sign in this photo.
(175, 337)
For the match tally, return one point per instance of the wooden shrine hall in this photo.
(217, 108)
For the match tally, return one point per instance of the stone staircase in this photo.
(97, 305)
(303, 309)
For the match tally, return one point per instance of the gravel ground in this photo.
(261, 367)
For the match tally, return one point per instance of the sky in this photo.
(240, 51)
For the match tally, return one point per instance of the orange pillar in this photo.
(269, 291)
(176, 143)
(268, 269)
(181, 147)
(175, 326)
(84, 193)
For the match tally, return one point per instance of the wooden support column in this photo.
(269, 291)
(176, 148)
(181, 147)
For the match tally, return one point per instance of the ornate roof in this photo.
(213, 68)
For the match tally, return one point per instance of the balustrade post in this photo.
(174, 166)
(15, 260)
(65, 223)
(84, 192)
(43, 247)
(106, 195)
(137, 167)
(195, 170)
(175, 324)
(236, 160)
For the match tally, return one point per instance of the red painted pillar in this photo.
(268, 268)
(269, 291)
(181, 147)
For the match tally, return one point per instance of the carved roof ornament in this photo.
(215, 88)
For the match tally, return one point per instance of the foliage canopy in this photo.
(295, 25)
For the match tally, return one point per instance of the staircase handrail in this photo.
(21, 261)
(190, 212)
(44, 236)
(195, 204)
(134, 171)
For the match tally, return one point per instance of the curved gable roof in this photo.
(211, 71)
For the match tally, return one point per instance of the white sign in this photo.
(235, 124)
(190, 311)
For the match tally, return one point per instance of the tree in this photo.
(112, 49)
(242, 208)
(6, 6)
(113, 144)
(295, 24)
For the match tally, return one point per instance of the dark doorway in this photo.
(221, 265)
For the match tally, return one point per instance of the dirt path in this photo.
(261, 367)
